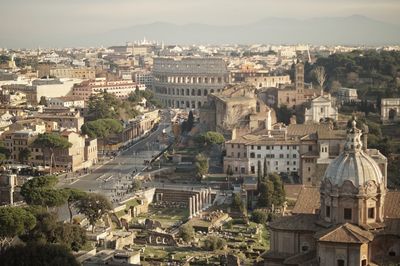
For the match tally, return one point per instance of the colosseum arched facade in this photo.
(185, 82)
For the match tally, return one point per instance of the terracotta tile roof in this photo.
(331, 134)
(305, 129)
(345, 233)
(392, 205)
(302, 258)
(292, 191)
(307, 201)
(392, 227)
(299, 222)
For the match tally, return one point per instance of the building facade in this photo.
(321, 109)
(186, 82)
(355, 221)
(120, 88)
(78, 73)
(390, 110)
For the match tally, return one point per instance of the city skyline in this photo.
(75, 23)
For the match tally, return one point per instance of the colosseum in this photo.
(185, 82)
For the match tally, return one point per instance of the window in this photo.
(281, 156)
(328, 211)
(258, 147)
(294, 155)
(364, 262)
(258, 155)
(252, 147)
(392, 253)
(252, 155)
(347, 213)
(309, 147)
(238, 155)
(267, 147)
(340, 262)
(371, 213)
(252, 169)
(304, 248)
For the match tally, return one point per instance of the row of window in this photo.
(281, 156)
(281, 147)
(185, 92)
(348, 213)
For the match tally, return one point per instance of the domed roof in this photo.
(353, 164)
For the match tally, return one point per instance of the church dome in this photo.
(353, 164)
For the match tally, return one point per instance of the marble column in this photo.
(190, 207)
(197, 203)
(193, 205)
(209, 197)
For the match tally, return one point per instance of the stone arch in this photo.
(198, 92)
(392, 113)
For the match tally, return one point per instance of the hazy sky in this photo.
(40, 17)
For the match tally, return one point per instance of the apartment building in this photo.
(120, 88)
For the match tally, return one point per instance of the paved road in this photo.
(115, 175)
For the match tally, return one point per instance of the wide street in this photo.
(109, 178)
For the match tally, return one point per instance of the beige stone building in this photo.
(64, 117)
(78, 73)
(303, 150)
(264, 81)
(354, 223)
(237, 107)
(292, 95)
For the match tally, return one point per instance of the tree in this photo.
(212, 137)
(38, 255)
(278, 195)
(136, 185)
(213, 243)
(190, 121)
(4, 152)
(259, 216)
(102, 128)
(103, 105)
(40, 191)
(266, 194)
(24, 155)
(237, 202)
(48, 142)
(93, 206)
(73, 197)
(320, 76)
(283, 114)
(186, 232)
(49, 230)
(43, 101)
(72, 236)
(14, 221)
(201, 165)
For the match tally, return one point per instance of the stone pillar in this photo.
(197, 204)
(194, 206)
(209, 197)
(190, 207)
(205, 206)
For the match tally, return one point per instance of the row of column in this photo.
(199, 202)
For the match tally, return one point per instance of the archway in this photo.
(392, 114)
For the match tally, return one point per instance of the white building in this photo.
(347, 95)
(321, 108)
(66, 101)
(120, 88)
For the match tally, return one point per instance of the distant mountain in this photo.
(335, 30)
